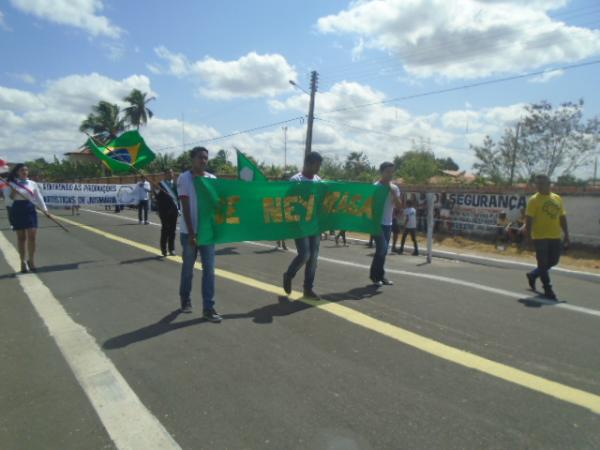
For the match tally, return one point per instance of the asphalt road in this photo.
(454, 355)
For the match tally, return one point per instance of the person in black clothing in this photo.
(168, 212)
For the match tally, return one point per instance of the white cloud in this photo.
(24, 77)
(252, 75)
(547, 76)
(465, 38)
(3, 24)
(47, 123)
(81, 14)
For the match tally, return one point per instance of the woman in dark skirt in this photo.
(26, 195)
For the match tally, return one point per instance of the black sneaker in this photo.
(309, 294)
(530, 281)
(549, 293)
(387, 282)
(172, 253)
(24, 268)
(287, 283)
(164, 253)
(376, 282)
(186, 308)
(415, 253)
(212, 316)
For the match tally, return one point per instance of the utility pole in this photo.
(513, 161)
(595, 170)
(284, 148)
(314, 79)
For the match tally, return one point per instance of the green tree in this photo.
(220, 164)
(358, 168)
(446, 164)
(137, 113)
(161, 163)
(332, 169)
(417, 166)
(549, 140)
(105, 118)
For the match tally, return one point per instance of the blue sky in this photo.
(224, 67)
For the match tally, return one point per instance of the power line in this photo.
(383, 133)
(465, 86)
(236, 133)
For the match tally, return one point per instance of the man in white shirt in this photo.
(308, 246)
(189, 245)
(382, 241)
(143, 192)
(410, 227)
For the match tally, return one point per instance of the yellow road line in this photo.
(536, 383)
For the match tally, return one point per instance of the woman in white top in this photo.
(25, 195)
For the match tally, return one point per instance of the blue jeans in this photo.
(308, 253)
(207, 257)
(382, 242)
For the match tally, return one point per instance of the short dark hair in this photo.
(196, 150)
(313, 157)
(385, 165)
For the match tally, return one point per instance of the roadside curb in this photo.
(497, 262)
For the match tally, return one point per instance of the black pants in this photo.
(167, 231)
(10, 218)
(413, 236)
(547, 253)
(143, 206)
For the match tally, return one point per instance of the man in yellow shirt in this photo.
(546, 221)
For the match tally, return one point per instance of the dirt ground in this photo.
(577, 257)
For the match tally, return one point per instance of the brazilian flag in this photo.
(247, 170)
(126, 153)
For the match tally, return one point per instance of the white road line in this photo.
(128, 422)
(455, 281)
(458, 282)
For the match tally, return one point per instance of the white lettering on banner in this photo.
(70, 194)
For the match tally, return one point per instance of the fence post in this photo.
(430, 202)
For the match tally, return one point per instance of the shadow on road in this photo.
(140, 260)
(538, 301)
(358, 293)
(227, 251)
(262, 315)
(47, 269)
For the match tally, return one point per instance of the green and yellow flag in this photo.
(234, 210)
(125, 153)
(247, 170)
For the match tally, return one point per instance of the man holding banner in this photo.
(382, 241)
(308, 246)
(189, 245)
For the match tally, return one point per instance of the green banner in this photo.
(234, 210)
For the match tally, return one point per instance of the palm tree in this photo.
(105, 119)
(137, 113)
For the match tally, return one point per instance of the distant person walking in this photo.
(168, 211)
(545, 219)
(25, 195)
(410, 228)
(143, 196)
(382, 241)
